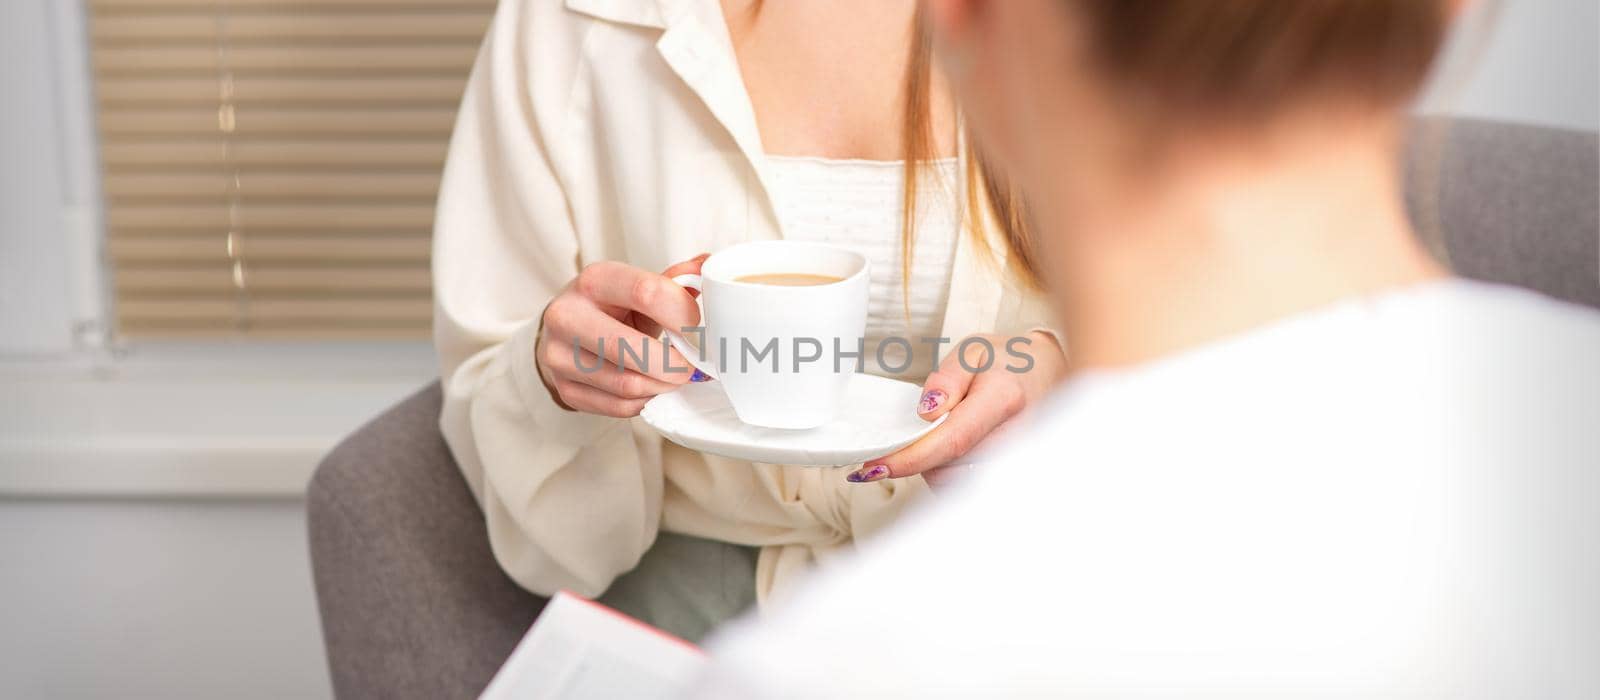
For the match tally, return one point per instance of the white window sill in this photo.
(191, 419)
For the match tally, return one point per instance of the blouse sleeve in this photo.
(569, 502)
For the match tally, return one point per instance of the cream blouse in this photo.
(620, 130)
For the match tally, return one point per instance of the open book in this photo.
(581, 650)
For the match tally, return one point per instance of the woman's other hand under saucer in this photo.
(979, 404)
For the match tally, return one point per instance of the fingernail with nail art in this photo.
(931, 401)
(699, 376)
(867, 474)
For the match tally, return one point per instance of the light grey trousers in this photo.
(687, 585)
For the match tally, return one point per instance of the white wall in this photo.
(1539, 64)
(157, 599)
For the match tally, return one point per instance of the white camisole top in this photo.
(859, 205)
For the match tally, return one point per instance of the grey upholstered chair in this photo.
(414, 605)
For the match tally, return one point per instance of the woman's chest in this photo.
(825, 78)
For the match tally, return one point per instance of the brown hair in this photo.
(1249, 58)
(989, 200)
(1238, 60)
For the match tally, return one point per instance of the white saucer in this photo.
(879, 416)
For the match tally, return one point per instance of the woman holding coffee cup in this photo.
(600, 150)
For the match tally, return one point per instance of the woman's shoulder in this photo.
(558, 58)
(605, 52)
(551, 16)
(551, 27)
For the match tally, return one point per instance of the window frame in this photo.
(254, 417)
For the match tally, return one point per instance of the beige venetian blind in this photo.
(270, 165)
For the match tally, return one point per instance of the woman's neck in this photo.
(1218, 244)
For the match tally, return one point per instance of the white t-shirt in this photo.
(1392, 497)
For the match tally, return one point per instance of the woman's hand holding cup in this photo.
(979, 405)
(607, 305)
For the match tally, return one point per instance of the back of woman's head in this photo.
(1246, 59)
(1048, 83)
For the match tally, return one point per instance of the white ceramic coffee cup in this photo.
(741, 320)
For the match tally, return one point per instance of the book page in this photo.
(581, 650)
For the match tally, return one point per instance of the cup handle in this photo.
(681, 344)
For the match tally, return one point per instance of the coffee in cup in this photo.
(790, 279)
(784, 323)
